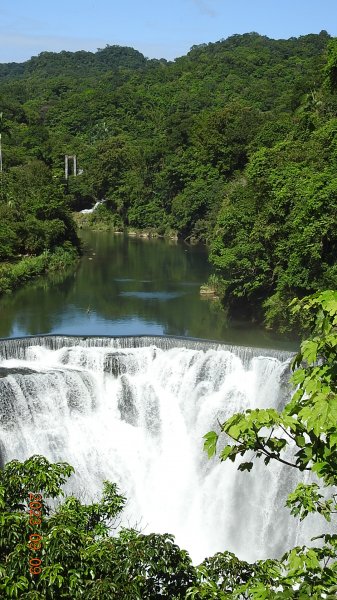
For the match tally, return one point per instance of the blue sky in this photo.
(158, 28)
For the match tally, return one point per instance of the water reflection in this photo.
(128, 286)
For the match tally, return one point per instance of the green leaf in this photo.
(226, 452)
(333, 439)
(331, 307)
(300, 440)
(309, 351)
(298, 376)
(246, 466)
(210, 443)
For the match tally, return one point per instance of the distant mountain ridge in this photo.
(86, 63)
(61, 63)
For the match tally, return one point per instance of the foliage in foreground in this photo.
(303, 436)
(81, 554)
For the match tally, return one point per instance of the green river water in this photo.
(129, 286)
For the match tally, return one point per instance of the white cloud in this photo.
(205, 7)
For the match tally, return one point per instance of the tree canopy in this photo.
(73, 550)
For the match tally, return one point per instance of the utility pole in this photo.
(67, 158)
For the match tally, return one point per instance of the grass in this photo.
(14, 275)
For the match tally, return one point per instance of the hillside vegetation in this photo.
(232, 144)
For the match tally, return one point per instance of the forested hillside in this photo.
(232, 144)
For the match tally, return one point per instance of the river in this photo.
(129, 286)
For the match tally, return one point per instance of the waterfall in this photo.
(89, 211)
(134, 410)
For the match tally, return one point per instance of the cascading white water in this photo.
(134, 411)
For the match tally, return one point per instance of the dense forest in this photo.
(233, 144)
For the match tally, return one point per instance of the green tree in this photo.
(74, 549)
(223, 136)
(331, 66)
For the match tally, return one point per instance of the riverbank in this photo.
(14, 275)
(94, 222)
